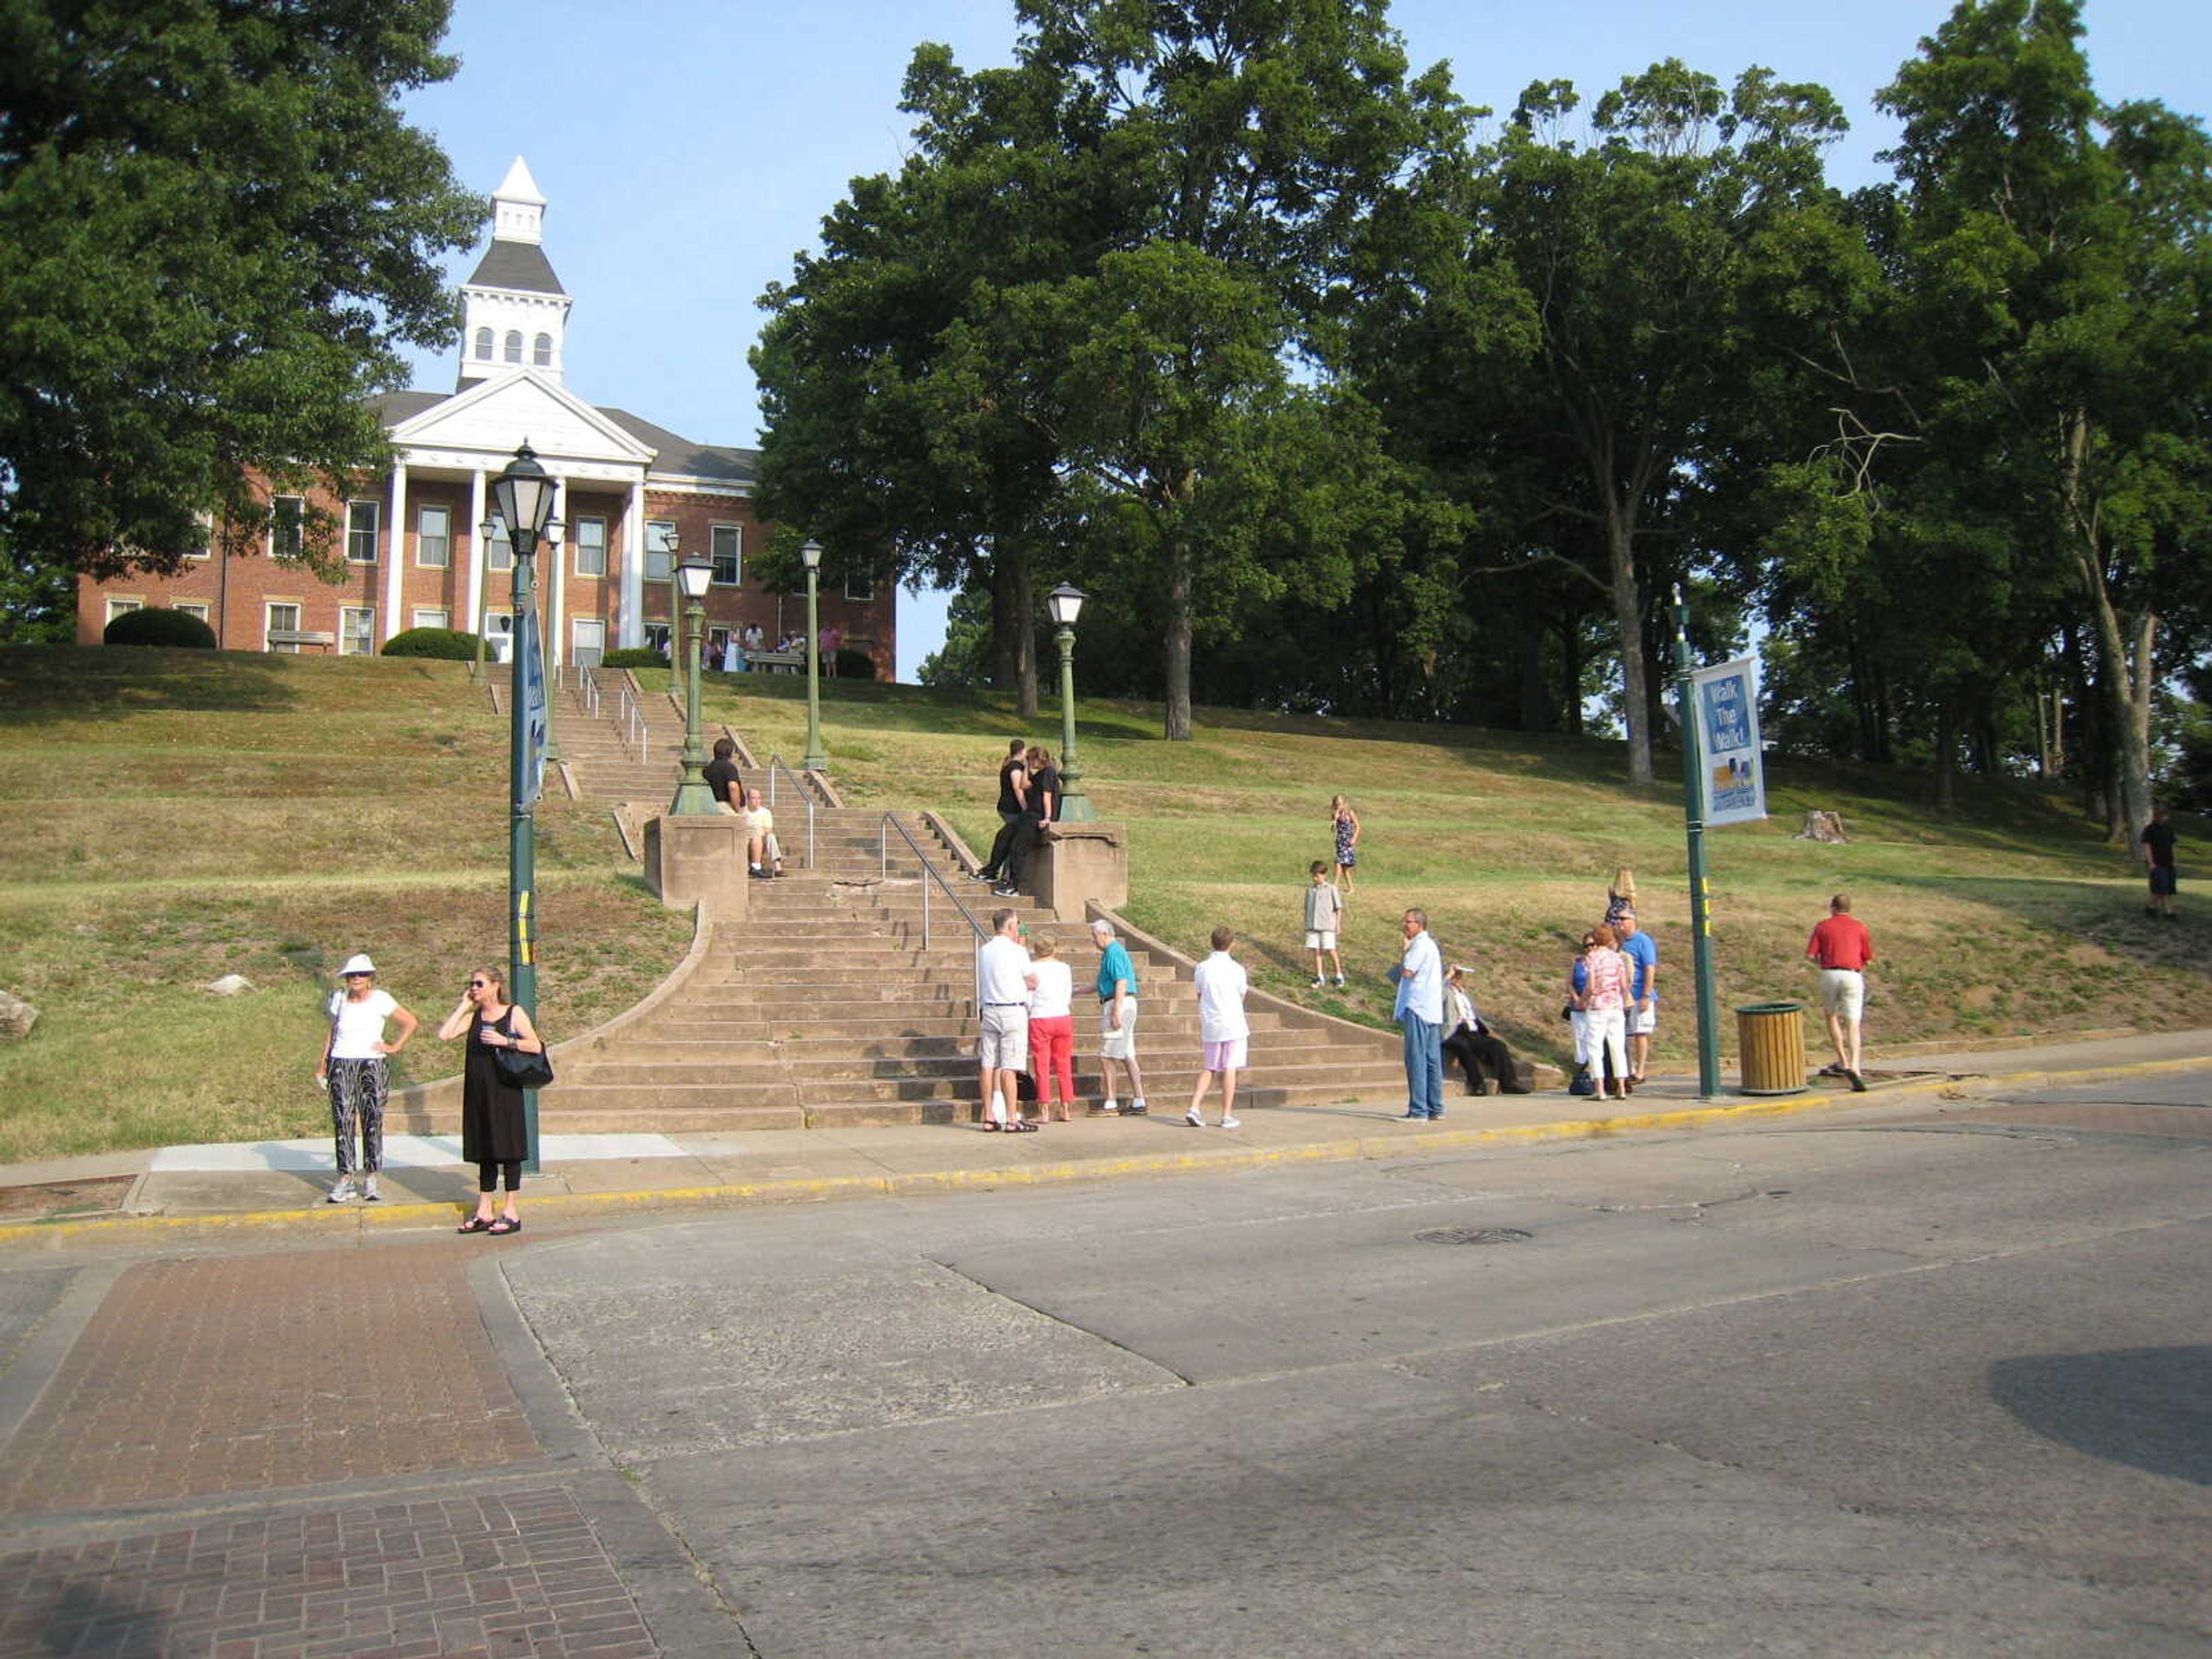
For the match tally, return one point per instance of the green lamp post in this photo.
(693, 799)
(814, 760)
(525, 494)
(554, 530)
(1065, 602)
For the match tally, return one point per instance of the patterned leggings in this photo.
(357, 1088)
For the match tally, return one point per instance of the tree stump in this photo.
(1823, 826)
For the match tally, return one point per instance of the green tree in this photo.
(215, 229)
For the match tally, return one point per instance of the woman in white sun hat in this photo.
(351, 1067)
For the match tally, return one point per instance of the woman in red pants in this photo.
(1052, 1030)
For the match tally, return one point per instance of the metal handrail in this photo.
(931, 872)
(587, 688)
(775, 764)
(631, 718)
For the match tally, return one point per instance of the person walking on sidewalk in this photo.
(1052, 1030)
(352, 1069)
(2157, 843)
(1420, 977)
(1842, 947)
(1005, 981)
(1608, 982)
(494, 1136)
(1117, 1020)
(1324, 912)
(1221, 1030)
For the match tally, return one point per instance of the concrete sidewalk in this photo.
(281, 1184)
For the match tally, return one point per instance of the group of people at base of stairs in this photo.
(1026, 1026)
(351, 1065)
(1029, 799)
(763, 857)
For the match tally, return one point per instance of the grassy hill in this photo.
(166, 818)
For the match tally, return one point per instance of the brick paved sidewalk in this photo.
(517, 1573)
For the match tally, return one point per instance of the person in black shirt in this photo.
(1040, 806)
(2157, 843)
(721, 774)
(1014, 789)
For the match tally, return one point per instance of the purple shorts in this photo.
(1226, 1056)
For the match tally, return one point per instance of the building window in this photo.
(660, 561)
(356, 630)
(281, 619)
(192, 608)
(728, 543)
(288, 518)
(433, 537)
(541, 351)
(591, 547)
(860, 588)
(124, 607)
(360, 532)
(426, 616)
(207, 537)
(499, 551)
(588, 638)
(483, 344)
(515, 345)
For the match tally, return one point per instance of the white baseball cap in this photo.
(356, 963)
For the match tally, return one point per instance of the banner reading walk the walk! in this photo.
(530, 685)
(1731, 782)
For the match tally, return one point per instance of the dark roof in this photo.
(672, 454)
(516, 265)
(393, 407)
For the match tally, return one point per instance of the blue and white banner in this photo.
(530, 679)
(1731, 782)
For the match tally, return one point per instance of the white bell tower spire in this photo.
(514, 312)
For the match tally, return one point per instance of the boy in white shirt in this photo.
(1222, 1028)
(1324, 910)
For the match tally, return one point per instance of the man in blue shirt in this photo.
(1420, 976)
(1640, 948)
(1117, 1019)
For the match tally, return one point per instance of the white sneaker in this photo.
(1137, 1106)
(368, 1193)
(1340, 981)
(1111, 1107)
(1193, 1118)
(1318, 982)
(343, 1193)
(1232, 1122)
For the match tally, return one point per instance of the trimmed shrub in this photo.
(634, 656)
(152, 627)
(446, 644)
(854, 665)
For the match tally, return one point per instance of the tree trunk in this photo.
(2131, 739)
(1628, 614)
(1006, 606)
(1570, 658)
(1178, 643)
(1025, 656)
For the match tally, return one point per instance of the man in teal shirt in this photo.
(1117, 1019)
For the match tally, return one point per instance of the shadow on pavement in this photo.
(2150, 1408)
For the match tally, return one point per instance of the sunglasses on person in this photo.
(479, 985)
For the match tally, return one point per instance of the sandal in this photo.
(1021, 1128)
(991, 1126)
(475, 1224)
(504, 1225)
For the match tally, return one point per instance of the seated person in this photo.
(764, 857)
(1469, 1041)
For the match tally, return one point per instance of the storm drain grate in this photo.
(1474, 1236)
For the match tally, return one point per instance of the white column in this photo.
(556, 584)
(472, 578)
(632, 568)
(395, 558)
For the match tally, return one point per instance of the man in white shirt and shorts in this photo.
(1004, 982)
(1222, 1028)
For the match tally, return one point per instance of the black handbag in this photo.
(520, 1069)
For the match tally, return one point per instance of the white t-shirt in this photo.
(1055, 989)
(1005, 966)
(1221, 985)
(360, 1024)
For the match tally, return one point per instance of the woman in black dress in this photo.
(493, 1135)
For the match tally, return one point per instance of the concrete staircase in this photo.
(825, 1008)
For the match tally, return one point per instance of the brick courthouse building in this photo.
(411, 538)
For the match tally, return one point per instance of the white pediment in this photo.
(493, 416)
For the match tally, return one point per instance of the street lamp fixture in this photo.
(672, 544)
(814, 760)
(487, 537)
(524, 495)
(1065, 603)
(693, 799)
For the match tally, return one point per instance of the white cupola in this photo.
(514, 313)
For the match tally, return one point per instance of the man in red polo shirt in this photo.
(1842, 947)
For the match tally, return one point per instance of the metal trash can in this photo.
(1771, 1047)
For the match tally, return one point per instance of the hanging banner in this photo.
(1731, 780)
(530, 677)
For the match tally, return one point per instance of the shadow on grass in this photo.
(46, 683)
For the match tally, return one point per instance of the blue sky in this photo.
(688, 148)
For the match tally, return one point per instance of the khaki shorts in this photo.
(1122, 1044)
(1843, 993)
(1002, 1040)
(1323, 938)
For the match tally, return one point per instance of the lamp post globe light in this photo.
(814, 760)
(525, 494)
(1065, 602)
(693, 799)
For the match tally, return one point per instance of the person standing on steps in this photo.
(1420, 977)
(1013, 790)
(1221, 1030)
(2157, 843)
(493, 1135)
(1842, 947)
(1004, 982)
(1117, 1020)
(1642, 1015)
(1324, 913)
(1040, 806)
(721, 776)
(352, 1069)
